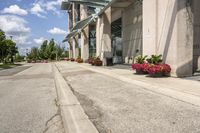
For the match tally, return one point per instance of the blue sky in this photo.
(30, 22)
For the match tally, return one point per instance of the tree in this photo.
(3, 46)
(11, 49)
(59, 51)
(34, 54)
(43, 50)
(8, 48)
(52, 49)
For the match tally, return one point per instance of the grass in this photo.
(8, 66)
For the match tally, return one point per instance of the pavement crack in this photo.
(54, 120)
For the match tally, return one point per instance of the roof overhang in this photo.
(77, 29)
(92, 3)
(65, 5)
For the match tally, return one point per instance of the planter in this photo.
(72, 59)
(80, 61)
(157, 75)
(140, 72)
(140, 68)
(98, 63)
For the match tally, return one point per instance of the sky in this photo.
(30, 22)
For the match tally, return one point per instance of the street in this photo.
(28, 100)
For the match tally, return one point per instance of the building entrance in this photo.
(116, 32)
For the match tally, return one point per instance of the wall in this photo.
(132, 31)
(168, 31)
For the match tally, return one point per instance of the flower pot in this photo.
(157, 75)
(140, 72)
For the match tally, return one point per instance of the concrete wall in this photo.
(196, 21)
(132, 31)
(168, 31)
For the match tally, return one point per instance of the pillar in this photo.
(106, 35)
(84, 36)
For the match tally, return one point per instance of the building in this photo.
(122, 29)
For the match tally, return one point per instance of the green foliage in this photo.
(43, 50)
(48, 50)
(155, 59)
(19, 58)
(140, 59)
(34, 54)
(8, 48)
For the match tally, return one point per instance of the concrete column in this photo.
(70, 49)
(98, 43)
(84, 36)
(75, 47)
(168, 30)
(106, 35)
(75, 43)
(149, 26)
(184, 39)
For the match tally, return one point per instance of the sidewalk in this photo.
(117, 101)
(181, 89)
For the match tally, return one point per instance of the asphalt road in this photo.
(27, 101)
(115, 106)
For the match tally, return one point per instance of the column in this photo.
(84, 36)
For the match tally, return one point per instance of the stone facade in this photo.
(169, 27)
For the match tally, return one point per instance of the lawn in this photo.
(8, 66)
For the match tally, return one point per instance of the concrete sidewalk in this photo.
(181, 89)
(116, 103)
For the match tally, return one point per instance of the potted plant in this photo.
(155, 59)
(72, 59)
(140, 65)
(159, 70)
(97, 62)
(79, 60)
(156, 67)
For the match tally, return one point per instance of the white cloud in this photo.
(53, 6)
(15, 26)
(14, 9)
(38, 10)
(39, 40)
(57, 31)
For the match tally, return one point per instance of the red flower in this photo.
(159, 69)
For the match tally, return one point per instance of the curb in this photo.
(181, 96)
(74, 118)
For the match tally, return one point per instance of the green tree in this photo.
(34, 54)
(59, 51)
(43, 50)
(11, 49)
(3, 47)
(52, 49)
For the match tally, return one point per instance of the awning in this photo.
(84, 23)
(91, 3)
(65, 5)
(71, 34)
(80, 26)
